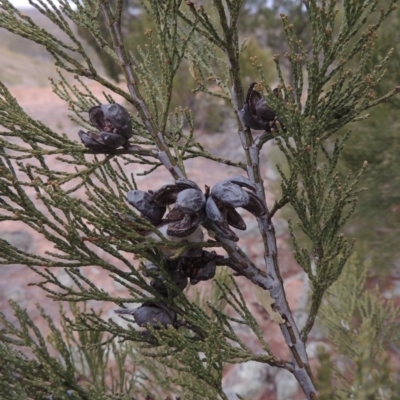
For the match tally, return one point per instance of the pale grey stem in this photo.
(114, 26)
(273, 281)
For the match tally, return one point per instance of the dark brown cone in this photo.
(224, 230)
(174, 215)
(234, 219)
(96, 116)
(182, 228)
(93, 141)
(255, 205)
(257, 113)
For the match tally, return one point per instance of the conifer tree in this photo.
(165, 227)
(378, 214)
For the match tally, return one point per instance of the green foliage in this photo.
(264, 19)
(57, 367)
(361, 324)
(322, 201)
(138, 27)
(80, 365)
(376, 222)
(253, 49)
(80, 205)
(88, 364)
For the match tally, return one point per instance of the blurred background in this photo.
(25, 68)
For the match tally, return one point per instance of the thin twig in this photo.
(272, 280)
(164, 155)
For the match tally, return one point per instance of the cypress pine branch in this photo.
(272, 279)
(193, 341)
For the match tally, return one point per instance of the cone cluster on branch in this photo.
(257, 113)
(215, 209)
(115, 126)
(190, 207)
